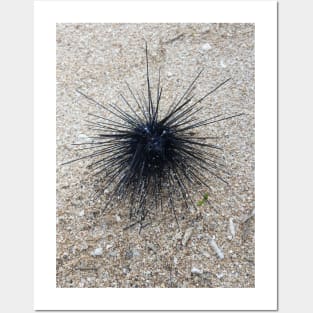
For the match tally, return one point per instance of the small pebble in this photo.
(219, 276)
(222, 64)
(82, 138)
(97, 252)
(196, 271)
(232, 229)
(206, 47)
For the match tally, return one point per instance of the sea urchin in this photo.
(149, 160)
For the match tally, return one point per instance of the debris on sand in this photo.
(216, 248)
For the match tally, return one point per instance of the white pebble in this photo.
(81, 213)
(97, 252)
(223, 65)
(206, 47)
(81, 138)
(219, 276)
(232, 228)
(196, 271)
(216, 248)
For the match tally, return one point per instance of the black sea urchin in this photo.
(149, 160)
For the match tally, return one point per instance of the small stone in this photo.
(220, 275)
(196, 271)
(232, 228)
(97, 252)
(206, 47)
(81, 138)
(81, 213)
(222, 64)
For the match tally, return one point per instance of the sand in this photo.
(214, 245)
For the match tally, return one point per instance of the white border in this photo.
(264, 295)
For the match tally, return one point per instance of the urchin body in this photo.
(145, 158)
(151, 149)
